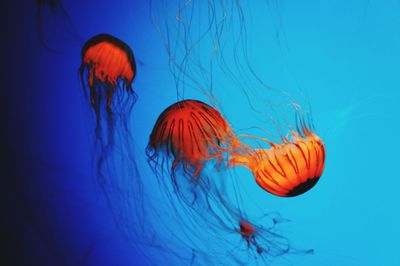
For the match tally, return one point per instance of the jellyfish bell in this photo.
(288, 169)
(292, 168)
(107, 64)
(192, 133)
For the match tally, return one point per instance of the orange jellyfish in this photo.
(264, 242)
(192, 133)
(288, 169)
(247, 231)
(108, 63)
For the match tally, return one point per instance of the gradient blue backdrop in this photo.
(345, 55)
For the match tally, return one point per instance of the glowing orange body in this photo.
(108, 63)
(246, 229)
(288, 169)
(192, 132)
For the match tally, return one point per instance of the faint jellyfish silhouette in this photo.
(54, 26)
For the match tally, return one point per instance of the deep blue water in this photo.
(341, 58)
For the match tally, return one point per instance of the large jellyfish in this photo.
(189, 143)
(193, 133)
(288, 169)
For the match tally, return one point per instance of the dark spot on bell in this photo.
(303, 187)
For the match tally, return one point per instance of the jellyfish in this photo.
(257, 240)
(264, 241)
(246, 230)
(108, 65)
(288, 169)
(191, 133)
(107, 72)
(189, 144)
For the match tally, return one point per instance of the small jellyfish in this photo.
(264, 241)
(247, 231)
(288, 169)
(107, 64)
(192, 133)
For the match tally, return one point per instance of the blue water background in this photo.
(343, 55)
